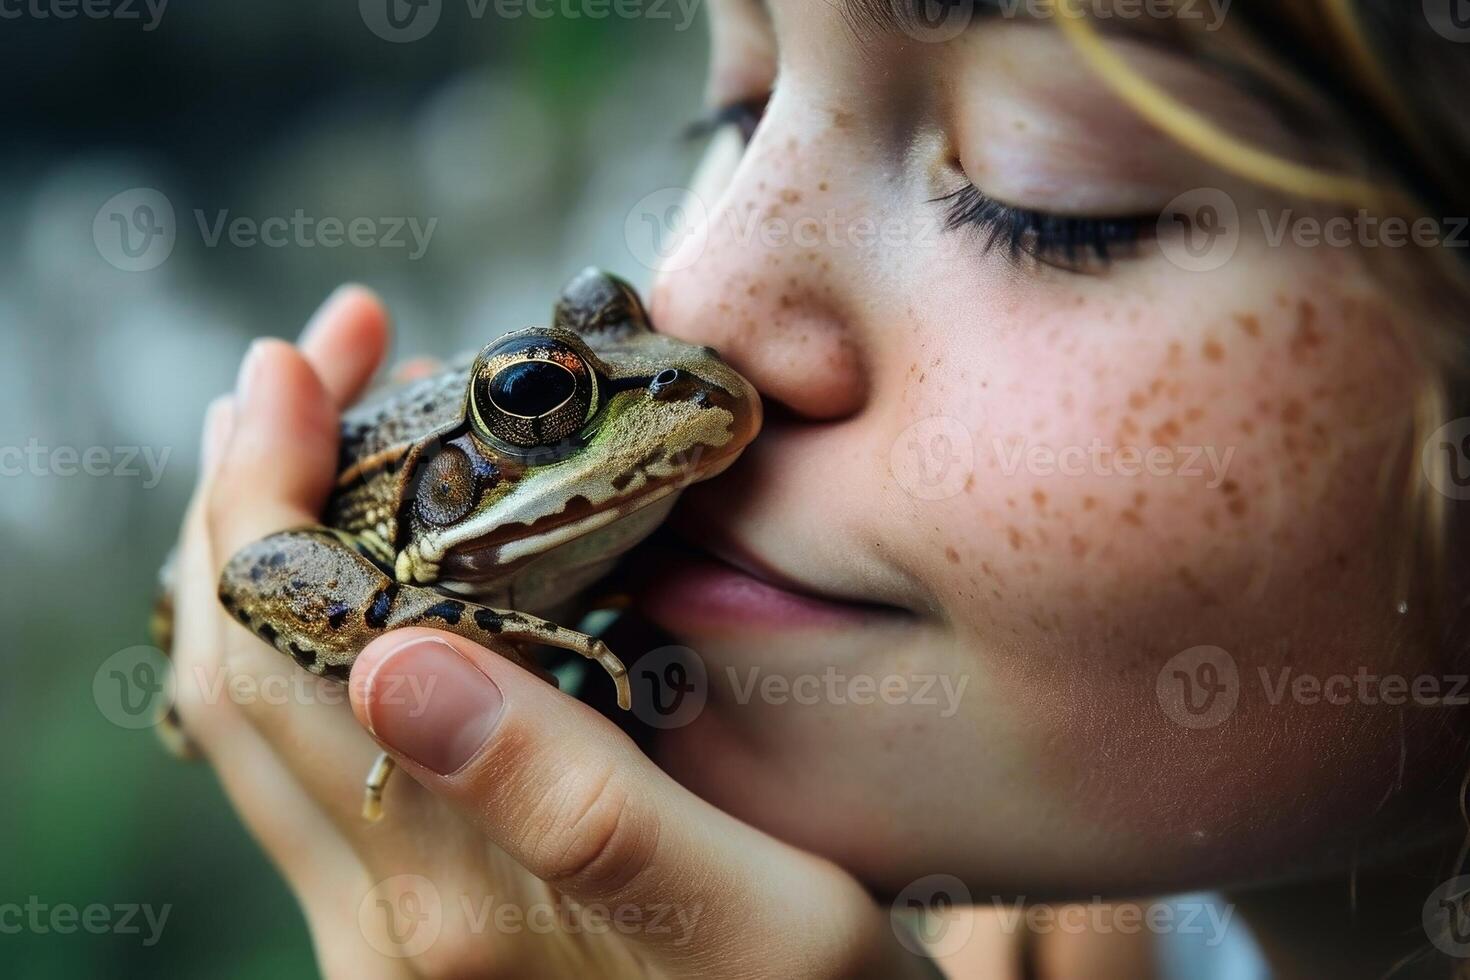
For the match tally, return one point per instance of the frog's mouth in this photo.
(509, 546)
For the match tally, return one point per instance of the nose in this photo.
(774, 300)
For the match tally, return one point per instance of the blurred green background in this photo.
(531, 133)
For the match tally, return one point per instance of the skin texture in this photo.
(1059, 601)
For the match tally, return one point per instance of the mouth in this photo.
(508, 546)
(718, 585)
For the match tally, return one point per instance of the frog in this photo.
(489, 497)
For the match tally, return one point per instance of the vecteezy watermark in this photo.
(404, 21)
(304, 231)
(1184, 917)
(934, 458)
(937, 21)
(1098, 459)
(1450, 19)
(1446, 917)
(1445, 459)
(36, 459)
(136, 230)
(1201, 687)
(96, 918)
(931, 917)
(123, 10)
(133, 687)
(404, 916)
(1200, 230)
(669, 229)
(670, 687)
(838, 687)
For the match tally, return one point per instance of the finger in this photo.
(280, 463)
(567, 795)
(346, 340)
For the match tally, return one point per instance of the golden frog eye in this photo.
(533, 392)
(447, 488)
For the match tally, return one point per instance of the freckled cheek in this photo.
(1190, 464)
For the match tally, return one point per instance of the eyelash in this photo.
(1058, 240)
(745, 115)
(1062, 241)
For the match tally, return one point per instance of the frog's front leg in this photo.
(320, 596)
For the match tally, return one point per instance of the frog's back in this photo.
(377, 435)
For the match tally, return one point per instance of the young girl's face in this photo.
(953, 597)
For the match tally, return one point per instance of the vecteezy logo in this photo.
(135, 230)
(667, 230)
(1199, 688)
(1199, 230)
(1447, 917)
(933, 458)
(933, 21)
(133, 687)
(400, 21)
(401, 916)
(929, 916)
(670, 687)
(1450, 19)
(1445, 459)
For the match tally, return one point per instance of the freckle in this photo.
(1291, 414)
(1230, 487)
(1249, 323)
(1237, 507)
(952, 555)
(969, 482)
(841, 119)
(724, 307)
(1212, 519)
(791, 196)
(1137, 401)
(1039, 498)
(1194, 414)
(1088, 503)
(1306, 338)
(1166, 432)
(1176, 353)
(1140, 499)
(1131, 518)
(1213, 351)
(1248, 427)
(1014, 536)
(1080, 547)
(1128, 427)
(822, 186)
(1010, 501)
(1155, 386)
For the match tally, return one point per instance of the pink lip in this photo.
(694, 593)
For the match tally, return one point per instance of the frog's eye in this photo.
(446, 489)
(533, 392)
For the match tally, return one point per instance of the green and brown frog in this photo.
(497, 492)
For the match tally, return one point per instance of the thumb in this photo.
(570, 798)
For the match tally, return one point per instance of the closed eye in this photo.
(1070, 242)
(744, 115)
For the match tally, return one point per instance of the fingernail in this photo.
(428, 702)
(249, 377)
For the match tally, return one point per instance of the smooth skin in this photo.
(1057, 599)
